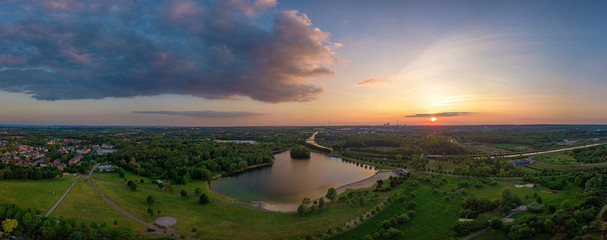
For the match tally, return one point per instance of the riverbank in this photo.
(365, 183)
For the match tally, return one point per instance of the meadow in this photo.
(37, 194)
(84, 205)
(222, 221)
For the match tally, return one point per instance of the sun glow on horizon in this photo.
(433, 119)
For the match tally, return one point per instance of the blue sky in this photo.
(238, 62)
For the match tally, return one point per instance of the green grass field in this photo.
(84, 205)
(433, 218)
(444, 165)
(557, 159)
(221, 221)
(151, 183)
(433, 210)
(512, 147)
(37, 194)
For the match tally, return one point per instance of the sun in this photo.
(433, 119)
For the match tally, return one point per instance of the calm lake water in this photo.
(289, 180)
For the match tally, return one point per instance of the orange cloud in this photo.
(374, 81)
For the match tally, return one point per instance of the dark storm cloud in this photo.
(443, 114)
(203, 114)
(216, 50)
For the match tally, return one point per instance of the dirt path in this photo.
(598, 218)
(487, 228)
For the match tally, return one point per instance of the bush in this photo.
(184, 193)
(203, 199)
(535, 207)
(132, 185)
(301, 209)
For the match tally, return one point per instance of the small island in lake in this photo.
(300, 152)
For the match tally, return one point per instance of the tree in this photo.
(301, 209)
(321, 203)
(331, 194)
(300, 152)
(116, 233)
(198, 191)
(151, 211)
(203, 199)
(103, 228)
(362, 200)
(306, 201)
(121, 172)
(91, 233)
(8, 225)
(496, 223)
(27, 219)
(184, 193)
(128, 231)
(150, 200)
(77, 235)
(132, 185)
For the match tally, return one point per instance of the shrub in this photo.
(535, 207)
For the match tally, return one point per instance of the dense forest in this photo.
(181, 160)
(407, 145)
(591, 155)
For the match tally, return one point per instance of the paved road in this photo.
(521, 154)
(62, 197)
(92, 170)
(312, 142)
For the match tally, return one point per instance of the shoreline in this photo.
(241, 170)
(364, 183)
(291, 207)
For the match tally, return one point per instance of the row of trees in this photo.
(11, 171)
(25, 222)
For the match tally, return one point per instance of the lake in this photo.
(285, 183)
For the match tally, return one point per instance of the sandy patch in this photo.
(166, 221)
(529, 185)
(367, 182)
(465, 220)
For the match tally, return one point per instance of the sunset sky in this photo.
(266, 62)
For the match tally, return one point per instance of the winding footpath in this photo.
(487, 228)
